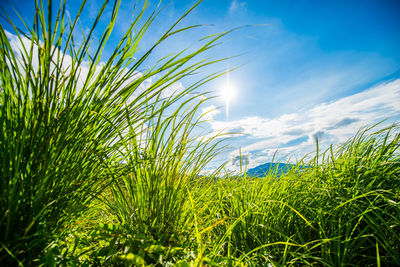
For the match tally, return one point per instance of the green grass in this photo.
(336, 213)
(95, 171)
(341, 212)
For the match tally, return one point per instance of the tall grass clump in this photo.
(74, 123)
(151, 197)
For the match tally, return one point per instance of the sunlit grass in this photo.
(341, 211)
(335, 213)
(69, 118)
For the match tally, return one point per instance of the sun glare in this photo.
(228, 93)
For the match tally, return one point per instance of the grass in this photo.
(96, 171)
(336, 213)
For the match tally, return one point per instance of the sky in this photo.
(307, 70)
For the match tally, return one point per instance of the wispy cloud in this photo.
(295, 134)
(237, 5)
(208, 113)
(19, 46)
(241, 160)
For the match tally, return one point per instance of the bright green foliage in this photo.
(337, 213)
(151, 196)
(340, 212)
(64, 115)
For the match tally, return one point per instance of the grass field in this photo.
(97, 171)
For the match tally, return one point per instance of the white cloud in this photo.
(208, 113)
(19, 46)
(237, 5)
(294, 134)
(173, 90)
(241, 160)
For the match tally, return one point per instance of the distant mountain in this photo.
(264, 169)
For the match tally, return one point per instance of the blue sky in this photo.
(308, 68)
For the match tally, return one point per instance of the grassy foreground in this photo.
(340, 212)
(97, 170)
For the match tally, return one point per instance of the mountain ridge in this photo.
(266, 168)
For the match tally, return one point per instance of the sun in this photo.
(228, 94)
